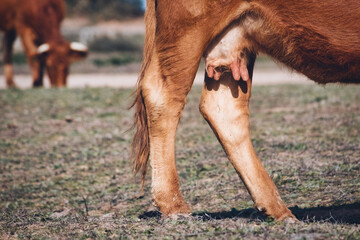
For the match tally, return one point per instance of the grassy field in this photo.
(65, 171)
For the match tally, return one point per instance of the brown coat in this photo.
(320, 39)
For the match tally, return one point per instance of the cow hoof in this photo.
(290, 220)
(179, 216)
(11, 85)
(180, 210)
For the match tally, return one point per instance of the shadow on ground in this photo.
(346, 213)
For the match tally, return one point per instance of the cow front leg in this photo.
(37, 72)
(9, 39)
(28, 37)
(225, 105)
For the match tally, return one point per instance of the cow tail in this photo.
(140, 148)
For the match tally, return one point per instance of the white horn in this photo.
(43, 48)
(76, 46)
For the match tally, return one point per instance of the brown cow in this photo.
(37, 22)
(320, 39)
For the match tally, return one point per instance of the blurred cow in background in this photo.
(37, 22)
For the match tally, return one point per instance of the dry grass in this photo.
(65, 171)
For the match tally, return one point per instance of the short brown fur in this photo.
(318, 39)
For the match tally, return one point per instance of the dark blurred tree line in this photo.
(105, 9)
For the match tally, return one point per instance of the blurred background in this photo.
(113, 30)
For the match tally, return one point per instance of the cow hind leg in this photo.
(225, 105)
(9, 39)
(163, 100)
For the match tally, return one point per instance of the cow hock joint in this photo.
(319, 39)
